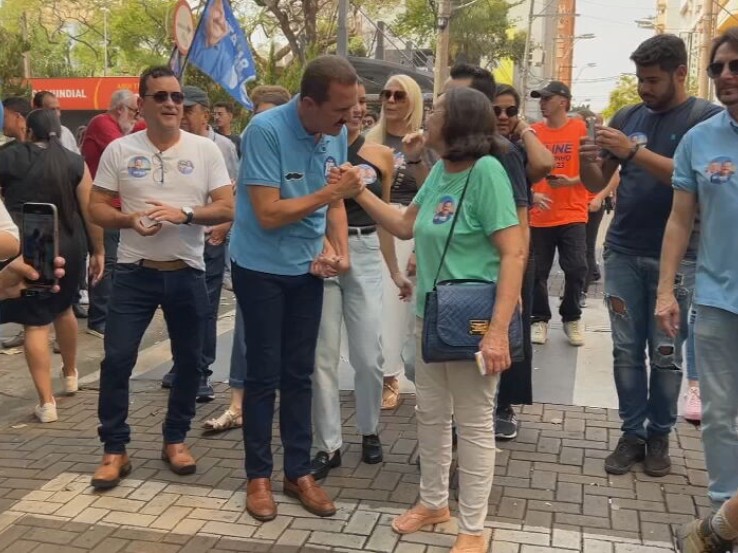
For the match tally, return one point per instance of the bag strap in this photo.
(453, 226)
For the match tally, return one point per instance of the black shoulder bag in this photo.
(458, 312)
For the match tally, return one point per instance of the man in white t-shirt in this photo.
(171, 184)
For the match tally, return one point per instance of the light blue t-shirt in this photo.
(278, 152)
(705, 165)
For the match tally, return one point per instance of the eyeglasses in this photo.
(715, 69)
(134, 111)
(159, 170)
(398, 95)
(163, 95)
(510, 111)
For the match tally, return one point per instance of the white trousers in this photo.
(355, 299)
(455, 390)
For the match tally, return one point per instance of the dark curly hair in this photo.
(507, 90)
(481, 79)
(729, 37)
(667, 51)
(469, 125)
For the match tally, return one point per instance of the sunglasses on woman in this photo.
(715, 69)
(510, 111)
(398, 95)
(163, 95)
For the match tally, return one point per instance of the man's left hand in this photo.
(162, 212)
(14, 277)
(667, 314)
(218, 234)
(561, 181)
(614, 141)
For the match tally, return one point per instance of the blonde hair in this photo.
(414, 117)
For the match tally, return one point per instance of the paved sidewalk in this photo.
(550, 495)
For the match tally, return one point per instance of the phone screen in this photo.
(591, 130)
(39, 241)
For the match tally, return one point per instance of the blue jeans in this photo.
(684, 288)
(691, 358)
(715, 334)
(354, 298)
(137, 293)
(100, 294)
(630, 293)
(238, 354)
(281, 334)
(214, 265)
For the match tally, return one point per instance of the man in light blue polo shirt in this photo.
(705, 179)
(290, 230)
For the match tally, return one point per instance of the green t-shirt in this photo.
(488, 207)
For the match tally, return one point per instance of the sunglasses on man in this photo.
(163, 95)
(510, 111)
(715, 69)
(398, 95)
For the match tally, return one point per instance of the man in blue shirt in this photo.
(641, 140)
(708, 151)
(290, 230)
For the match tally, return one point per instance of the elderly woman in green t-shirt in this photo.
(487, 245)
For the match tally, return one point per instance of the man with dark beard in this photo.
(641, 140)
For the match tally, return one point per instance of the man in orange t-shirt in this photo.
(563, 225)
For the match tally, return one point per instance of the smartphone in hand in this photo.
(591, 128)
(40, 242)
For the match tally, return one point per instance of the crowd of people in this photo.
(323, 216)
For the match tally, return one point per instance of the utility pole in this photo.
(526, 56)
(708, 31)
(440, 70)
(342, 44)
(27, 53)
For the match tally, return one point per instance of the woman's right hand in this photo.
(495, 348)
(413, 145)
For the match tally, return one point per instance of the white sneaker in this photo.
(84, 298)
(46, 412)
(71, 384)
(574, 331)
(539, 332)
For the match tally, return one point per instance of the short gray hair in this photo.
(120, 97)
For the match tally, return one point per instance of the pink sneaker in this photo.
(693, 405)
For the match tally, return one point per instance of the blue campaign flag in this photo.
(220, 50)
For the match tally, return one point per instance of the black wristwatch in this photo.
(633, 152)
(189, 214)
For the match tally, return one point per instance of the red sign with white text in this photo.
(84, 94)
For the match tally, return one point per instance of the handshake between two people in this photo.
(345, 182)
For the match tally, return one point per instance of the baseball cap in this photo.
(195, 95)
(553, 88)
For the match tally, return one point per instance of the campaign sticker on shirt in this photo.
(399, 159)
(720, 170)
(367, 173)
(330, 163)
(185, 166)
(139, 166)
(444, 210)
(639, 138)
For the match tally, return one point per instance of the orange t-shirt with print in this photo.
(569, 204)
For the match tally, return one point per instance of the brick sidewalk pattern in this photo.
(551, 494)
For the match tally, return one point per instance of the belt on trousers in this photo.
(176, 265)
(359, 231)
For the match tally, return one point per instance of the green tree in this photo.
(624, 94)
(479, 29)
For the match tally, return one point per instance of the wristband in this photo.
(633, 152)
(528, 129)
(413, 162)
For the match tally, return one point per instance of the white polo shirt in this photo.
(182, 176)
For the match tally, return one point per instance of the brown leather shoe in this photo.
(179, 459)
(311, 495)
(259, 500)
(109, 473)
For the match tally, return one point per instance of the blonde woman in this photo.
(402, 114)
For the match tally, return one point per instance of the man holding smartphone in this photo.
(171, 184)
(562, 227)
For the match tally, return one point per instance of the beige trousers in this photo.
(455, 390)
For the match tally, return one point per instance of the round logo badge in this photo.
(139, 166)
(330, 163)
(720, 170)
(367, 173)
(639, 138)
(185, 166)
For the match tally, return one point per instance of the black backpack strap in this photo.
(621, 118)
(699, 112)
